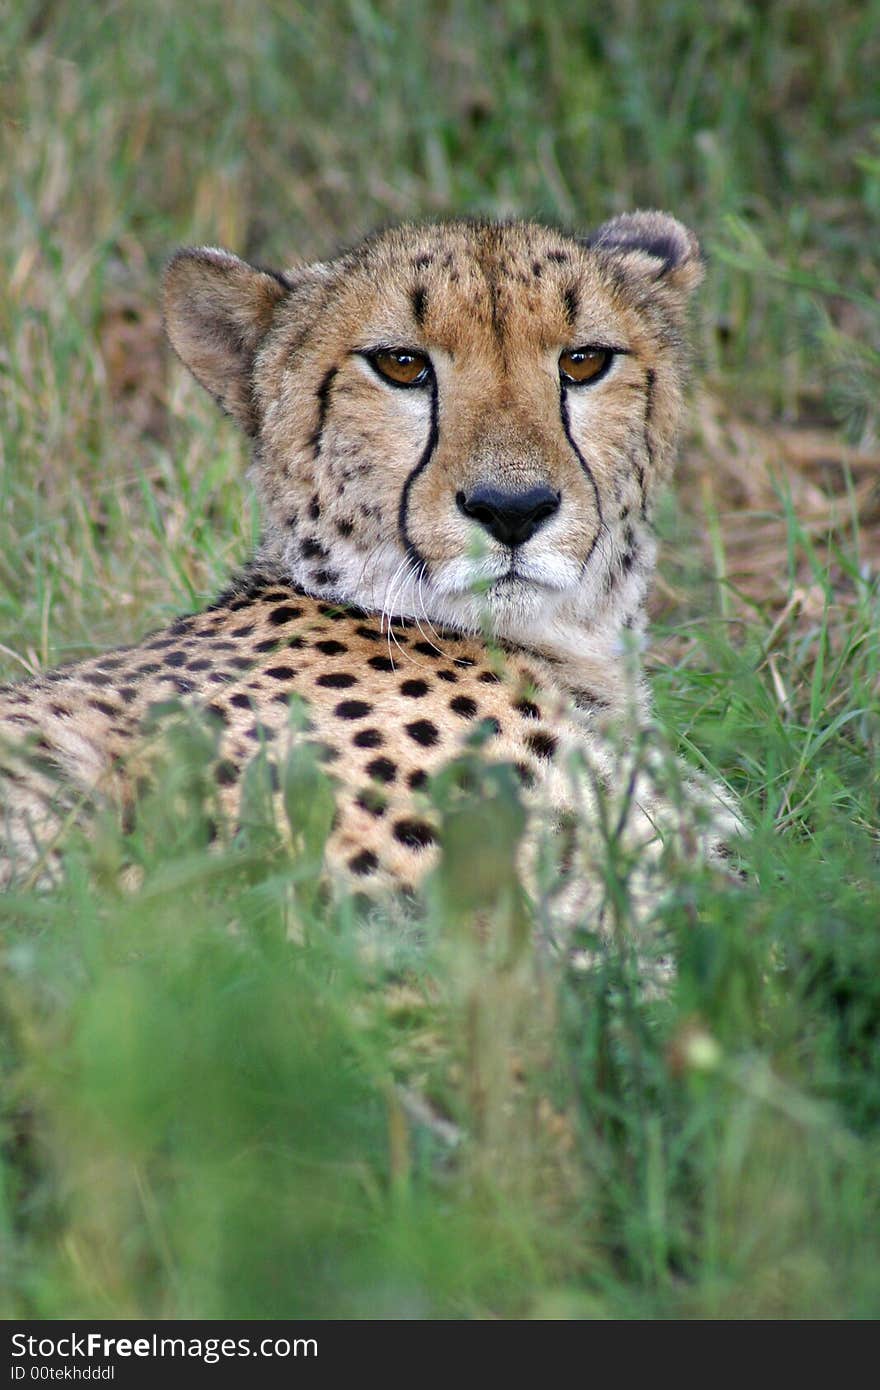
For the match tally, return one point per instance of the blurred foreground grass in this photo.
(224, 1097)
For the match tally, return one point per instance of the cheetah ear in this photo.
(652, 246)
(217, 311)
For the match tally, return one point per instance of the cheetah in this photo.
(458, 433)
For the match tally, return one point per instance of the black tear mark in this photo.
(566, 425)
(433, 434)
(419, 299)
(322, 396)
(650, 378)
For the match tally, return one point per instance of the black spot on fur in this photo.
(312, 549)
(104, 708)
(448, 676)
(226, 773)
(417, 779)
(284, 615)
(368, 738)
(381, 663)
(382, 770)
(424, 732)
(571, 300)
(330, 647)
(326, 752)
(542, 743)
(314, 508)
(415, 834)
(352, 709)
(588, 699)
(336, 680)
(414, 689)
(463, 706)
(527, 709)
(281, 673)
(425, 649)
(370, 799)
(260, 733)
(364, 863)
(419, 300)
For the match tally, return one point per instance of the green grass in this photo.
(223, 1096)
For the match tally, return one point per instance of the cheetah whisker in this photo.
(431, 628)
(393, 589)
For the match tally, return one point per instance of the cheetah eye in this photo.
(579, 365)
(400, 366)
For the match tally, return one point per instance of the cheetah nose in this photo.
(511, 517)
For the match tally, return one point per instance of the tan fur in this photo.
(400, 620)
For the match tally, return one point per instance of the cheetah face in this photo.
(464, 423)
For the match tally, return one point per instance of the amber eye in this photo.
(401, 366)
(584, 364)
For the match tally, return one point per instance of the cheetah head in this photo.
(465, 422)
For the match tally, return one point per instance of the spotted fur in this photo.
(408, 630)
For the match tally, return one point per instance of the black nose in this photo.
(511, 517)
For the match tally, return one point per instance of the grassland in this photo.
(216, 1103)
